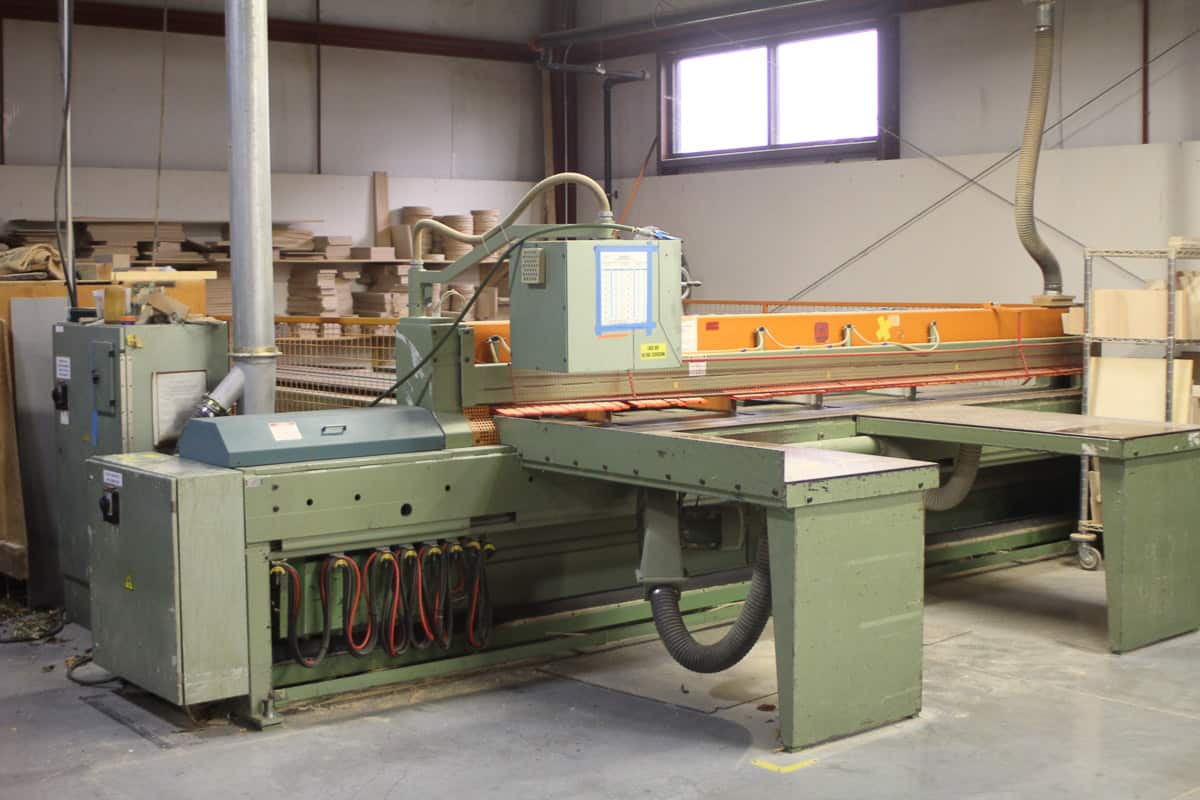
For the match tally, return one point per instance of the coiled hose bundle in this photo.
(737, 641)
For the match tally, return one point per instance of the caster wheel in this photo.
(1089, 558)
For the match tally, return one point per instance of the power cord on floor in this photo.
(84, 661)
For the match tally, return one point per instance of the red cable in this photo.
(354, 610)
(471, 614)
(396, 600)
(421, 594)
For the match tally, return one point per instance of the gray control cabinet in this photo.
(168, 580)
(602, 305)
(119, 389)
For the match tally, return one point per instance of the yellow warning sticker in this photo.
(654, 350)
(128, 583)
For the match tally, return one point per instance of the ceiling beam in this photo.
(207, 23)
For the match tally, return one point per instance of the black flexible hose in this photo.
(733, 646)
(409, 561)
(480, 614)
(437, 609)
(296, 604)
(392, 625)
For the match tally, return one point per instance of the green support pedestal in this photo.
(1151, 548)
(847, 597)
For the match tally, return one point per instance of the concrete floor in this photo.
(1022, 700)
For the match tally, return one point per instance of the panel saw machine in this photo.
(604, 467)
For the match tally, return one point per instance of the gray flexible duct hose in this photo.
(737, 641)
(1027, 166)
(957, 486)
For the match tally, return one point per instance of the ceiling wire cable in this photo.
(995, 165)
(979, 184)
(637, 184)
(67, 59)
(162, 125)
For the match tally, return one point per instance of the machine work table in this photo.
(1149, 472)
(846, 537)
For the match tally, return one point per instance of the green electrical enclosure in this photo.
(597, 306)
(168, 579)
(120, 389)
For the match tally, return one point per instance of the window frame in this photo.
(880, 146)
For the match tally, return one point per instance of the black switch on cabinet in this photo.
(59, 395)
(110, 506)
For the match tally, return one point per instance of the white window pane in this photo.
(829, 88)
(721, 101)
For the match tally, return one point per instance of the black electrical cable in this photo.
(480, 615)
(84, 661)
(410, 588)
(433, 595)
(391, 620)
(471, 303)
(41, 636)
(296, 605)
(68, 59)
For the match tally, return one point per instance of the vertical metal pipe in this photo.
(1170, 401)
(1084, 397)
(68, 258)
(250, 202)
(608, 144)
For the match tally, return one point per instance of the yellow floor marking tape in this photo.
(767, 765)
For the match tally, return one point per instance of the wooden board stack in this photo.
(218, 293)
(333, 248)
(320, 292)
(387, 291)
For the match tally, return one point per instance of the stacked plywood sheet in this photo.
(320, 292)
(219, 292)
(386, 293)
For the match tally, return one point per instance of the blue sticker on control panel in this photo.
(625, 287)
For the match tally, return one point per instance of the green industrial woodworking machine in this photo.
(603, 467)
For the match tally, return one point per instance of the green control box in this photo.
(597, 305)
(120, 389)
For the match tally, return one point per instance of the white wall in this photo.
(333, 204)
(964, 78)
(421, 116)
(766, 233)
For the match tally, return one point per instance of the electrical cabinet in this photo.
(118, 389)
(168, 578)
(602, 305)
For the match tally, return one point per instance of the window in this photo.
(812, 97)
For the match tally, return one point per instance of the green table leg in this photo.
(847, 591)
(1151, 514)
(260, 705)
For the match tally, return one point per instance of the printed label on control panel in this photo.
(62, 368)
(654, 350)
(113, 479)
(285, 431)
